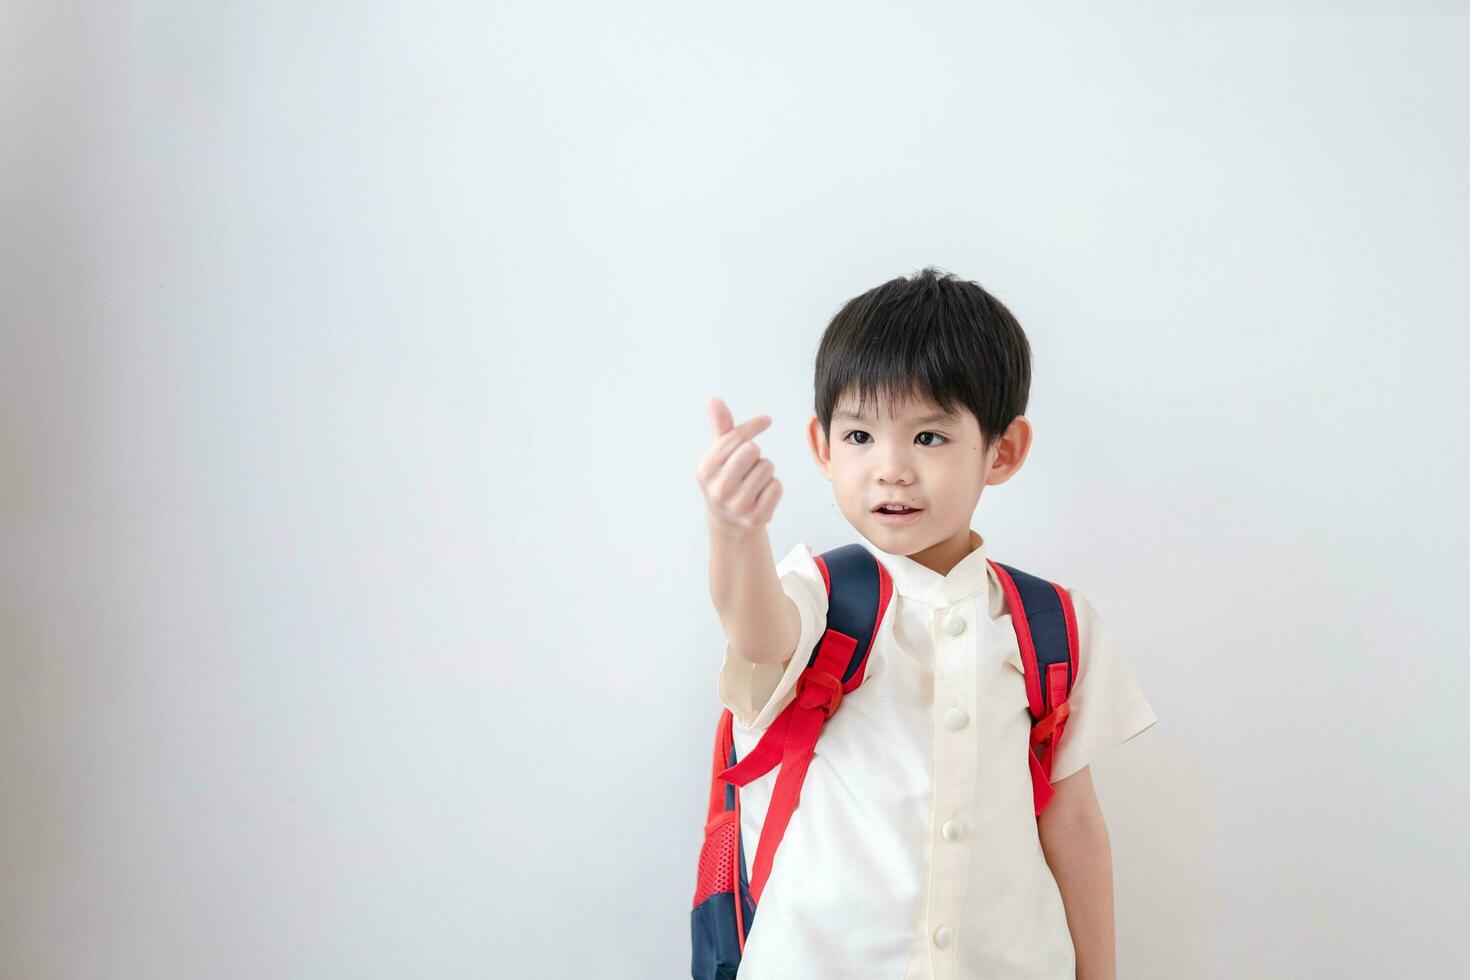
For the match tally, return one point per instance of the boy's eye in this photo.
(918, 438)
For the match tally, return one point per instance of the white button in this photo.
(952, 829)
(955, 718)
(942, 936)
(954, 624)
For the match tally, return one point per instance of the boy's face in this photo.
(914, 455)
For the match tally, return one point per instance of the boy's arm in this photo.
(761, 622)
(1075, 841)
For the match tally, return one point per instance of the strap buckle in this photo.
(1043, 728)
(819, 678)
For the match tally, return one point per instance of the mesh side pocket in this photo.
(713, 928)
(717, 857)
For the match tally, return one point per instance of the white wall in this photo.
(353, 610)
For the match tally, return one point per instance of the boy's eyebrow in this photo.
(926, 420)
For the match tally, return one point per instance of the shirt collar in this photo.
(914, 581)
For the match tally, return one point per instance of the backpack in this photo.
(859, 590)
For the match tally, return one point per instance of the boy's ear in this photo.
(821, 451)
(1010, 451)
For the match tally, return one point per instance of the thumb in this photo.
(719, 416)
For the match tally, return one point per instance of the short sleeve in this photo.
(757, 693)
(1107, 708)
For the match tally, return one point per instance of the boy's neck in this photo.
(945, 555)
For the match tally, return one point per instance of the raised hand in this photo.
(739, 486)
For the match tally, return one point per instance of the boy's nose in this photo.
(894, 469)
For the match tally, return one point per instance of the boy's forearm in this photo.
(1074, 839)
(761, 623)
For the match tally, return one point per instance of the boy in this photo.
(915, 851)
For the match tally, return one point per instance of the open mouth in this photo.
(895, 510)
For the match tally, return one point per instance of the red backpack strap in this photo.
(858, 592)
(1046, 631)
(719, 800)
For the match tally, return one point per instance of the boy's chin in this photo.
(897, 539)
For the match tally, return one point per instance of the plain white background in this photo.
(353, 601)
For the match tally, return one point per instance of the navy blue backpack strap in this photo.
(858, 593)
(1046, 631)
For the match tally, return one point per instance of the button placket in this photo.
(955, 764)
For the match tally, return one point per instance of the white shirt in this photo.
(914, 853)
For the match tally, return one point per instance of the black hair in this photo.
(930, 335)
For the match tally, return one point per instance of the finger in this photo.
(751, 427)
(719, 415)
(750, 487)
(727, 443)
(732, 472)
(765, 502)
(722, 424)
